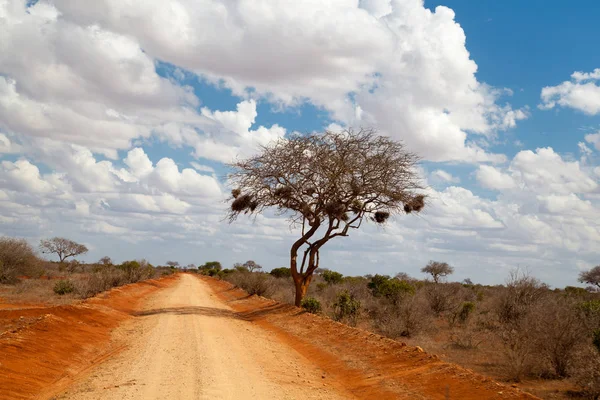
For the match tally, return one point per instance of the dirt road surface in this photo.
(188, 344)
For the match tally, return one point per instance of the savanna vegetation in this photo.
(27, 277)
(521, 331)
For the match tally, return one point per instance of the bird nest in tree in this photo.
(356, 206)
(242, 202)
(335, 209)
(415, 204)
(284, 192)
(381, 216)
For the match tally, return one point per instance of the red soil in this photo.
(42, 346)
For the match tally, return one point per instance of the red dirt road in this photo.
(199, 338)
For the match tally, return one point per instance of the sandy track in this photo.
(187, 344)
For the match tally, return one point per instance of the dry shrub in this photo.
(16, 258)
(587, 372)
(258, 283)
(467, 337)
(283, 290)
(559, 330)
(516, 323)
(101, 281)
(444, 297)
(410, 317)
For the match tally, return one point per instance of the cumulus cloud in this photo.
(441, 176)
(594, 139)
(492, 178)
(392, 64)
(582, 93)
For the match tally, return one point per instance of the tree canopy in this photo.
(327, 184)
(437, 270)
(591, 277)
(62, 247)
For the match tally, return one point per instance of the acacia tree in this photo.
(437, 270)
(62, 247)
(591, 277)
(251, 266)
(326, 184)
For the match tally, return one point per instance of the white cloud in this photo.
(594, 139)
(585, 76)
(406, 66)
(443, 176)
(202, 168)
(24, 176)
(491, 178)
(545, 171)
(582, 93)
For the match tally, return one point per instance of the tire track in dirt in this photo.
(188, 344)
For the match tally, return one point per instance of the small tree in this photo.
(62, 247)
(173, 264)
(591, 277)
(251, 266)
(106, 260)
(437, 270)
(327, 184)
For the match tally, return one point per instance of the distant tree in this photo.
(591, 277)
(106, 260)
(191, 266)
(211, 265)
(252, 266)
(467, 281)
(173, 264)
(282, 272)
(403, 276)
(240, 267)
(437, 270)
(327, 184)
(62, 247)
(210, 268)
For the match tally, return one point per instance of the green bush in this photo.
(210, 267)
(63, 287)
(281, 272)
(596, 339)
(332, 277)
(311, 305)
(346, 308)
(465, 311)
(136, 271)
(392, 289)
(575, 291)
(590, 308)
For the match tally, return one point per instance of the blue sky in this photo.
(116, 122)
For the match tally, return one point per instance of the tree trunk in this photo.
(301, 288)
